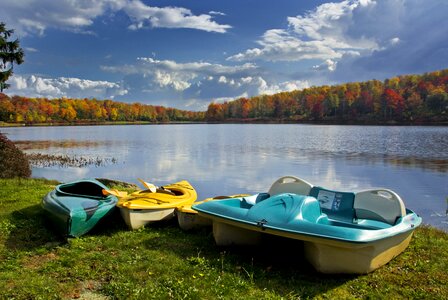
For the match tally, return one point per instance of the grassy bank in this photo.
(162, 262)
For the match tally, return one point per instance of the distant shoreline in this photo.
(232, 121)
(56, 124)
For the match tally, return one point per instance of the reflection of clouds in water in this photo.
(301, 155)
(80, 172)
(332, 181)
(439, 215)
(62, 174)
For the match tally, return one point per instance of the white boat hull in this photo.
(228, 235)
(137, 218)
(330, 259)
(189, 221)
(326, 255)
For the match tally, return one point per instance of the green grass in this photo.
(162, 262)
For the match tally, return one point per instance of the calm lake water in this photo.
(247, 158)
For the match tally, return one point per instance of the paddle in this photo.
(120, 194)
(149, 186)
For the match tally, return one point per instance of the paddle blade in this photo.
(148, 185)
(114, 192)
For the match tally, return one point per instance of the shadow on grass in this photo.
(31, 229)
(109, 225)
(277, 264)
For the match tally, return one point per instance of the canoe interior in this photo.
(83, 189)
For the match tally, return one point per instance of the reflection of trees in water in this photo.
(45, 144)
(439, 165)
(433, 164)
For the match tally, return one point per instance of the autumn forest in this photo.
(403, 99)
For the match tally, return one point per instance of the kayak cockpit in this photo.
(84, 189)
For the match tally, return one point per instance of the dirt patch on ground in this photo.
(88, 290)
(37, 261)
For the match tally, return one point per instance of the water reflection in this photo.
(47, 144)
(36, 147)
(434, 164)
(230, 159)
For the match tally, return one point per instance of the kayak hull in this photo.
(77, 207)
(137, 218)
(143, 207)
(189, 221)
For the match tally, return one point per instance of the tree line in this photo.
(408, 98)
(17, 109)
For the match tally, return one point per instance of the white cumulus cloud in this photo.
(169, 74)
(36, 16)
(36, 86)
(359, 40)
(195, 84)
(329, 65)
(218, 13)
(324, 33)
(411, 38)
(264, 88)
(170, 17)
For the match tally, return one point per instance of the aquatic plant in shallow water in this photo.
(50, 160)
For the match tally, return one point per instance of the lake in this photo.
(222, 159)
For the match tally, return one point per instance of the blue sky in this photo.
(185, 54)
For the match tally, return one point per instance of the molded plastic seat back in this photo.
(283, 208)
(337, 205)
(290, 184)
(380, 204)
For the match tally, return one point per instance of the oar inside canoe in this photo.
(116, 193)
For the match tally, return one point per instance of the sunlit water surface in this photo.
(247, 158)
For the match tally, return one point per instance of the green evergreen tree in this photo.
(10, 53)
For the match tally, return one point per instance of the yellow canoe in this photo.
(154, 204)
(189, 219)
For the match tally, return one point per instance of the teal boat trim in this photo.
(302, 215)
(76, 207)
(342, 232)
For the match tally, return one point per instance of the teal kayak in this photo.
(76, 207)
(343, 232)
